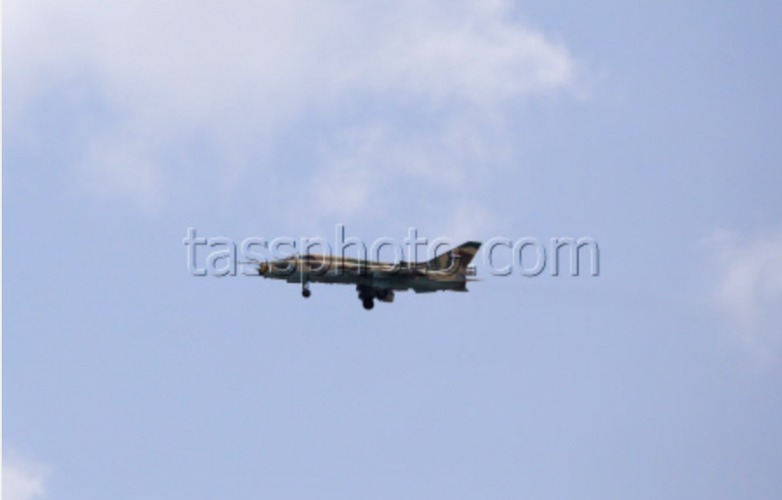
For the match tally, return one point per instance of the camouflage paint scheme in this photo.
(377, 280)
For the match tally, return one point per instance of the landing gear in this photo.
(305, 291)
(366, 294)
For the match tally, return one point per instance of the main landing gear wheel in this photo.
(369, 304)
(305, 292)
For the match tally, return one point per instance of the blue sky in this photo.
(649, 127)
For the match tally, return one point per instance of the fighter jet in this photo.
(377, 280)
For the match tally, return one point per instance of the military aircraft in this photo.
(377, 280)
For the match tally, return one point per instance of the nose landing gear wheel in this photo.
(306, 293)
(369, 304)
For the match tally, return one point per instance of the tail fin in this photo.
(455, 261)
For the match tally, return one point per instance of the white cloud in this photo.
(749, 288)
(23, 479)
(237, 79)
(376, 171)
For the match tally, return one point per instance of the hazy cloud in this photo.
(748, 293)
(181, 82)
(23, 479)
